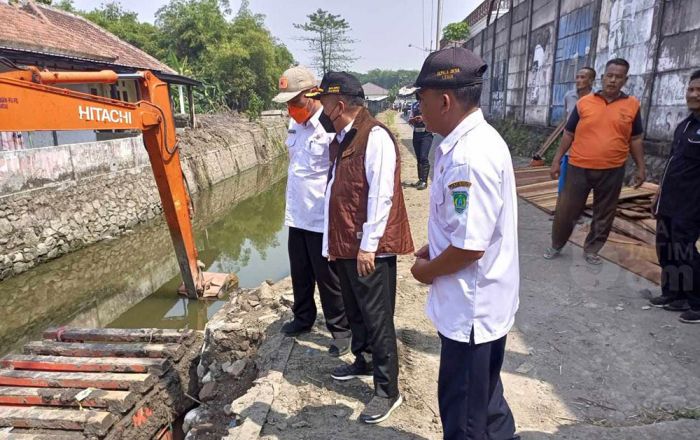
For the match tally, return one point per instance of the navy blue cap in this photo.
(338, 83)
(451, 68)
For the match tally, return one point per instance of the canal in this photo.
(131, 281)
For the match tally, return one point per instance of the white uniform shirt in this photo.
(308, 173)
(380, 164)
(473, 206)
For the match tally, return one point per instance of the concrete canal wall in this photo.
(59, 199)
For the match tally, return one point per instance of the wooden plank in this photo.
(633, 229)
(633, 215)
(634, 258)
(526, 189)
(113, 401)
(532, 180)
(150, 335)
(57, 379)
(90, 422)
(527, 170)
(85, 365)
(649, 224)
(76, 349)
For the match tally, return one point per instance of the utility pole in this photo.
(437, 31)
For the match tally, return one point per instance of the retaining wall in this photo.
(56, 200)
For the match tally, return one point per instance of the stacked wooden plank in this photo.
(631, 244)
(92, 383)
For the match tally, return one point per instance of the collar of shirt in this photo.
(345, 131)
(460, 130)
(622, 95)
(313, 120)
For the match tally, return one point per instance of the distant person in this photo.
(585, 78)
(601, 132)
(366, 227)
(471, 260)
(677, 209)
(308, 145)
(422, 141)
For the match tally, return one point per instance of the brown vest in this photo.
(348, 196)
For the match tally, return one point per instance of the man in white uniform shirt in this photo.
(366, 227)
(308, 143)
(471, 260)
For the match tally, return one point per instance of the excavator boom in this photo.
(32, 103)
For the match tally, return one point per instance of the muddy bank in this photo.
(42, 224)
(243, 350)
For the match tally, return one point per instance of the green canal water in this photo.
(131, 281)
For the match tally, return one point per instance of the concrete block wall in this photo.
(660, 39)
(56, 200)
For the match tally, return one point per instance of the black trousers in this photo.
(308, 268)
(421, 144)
(370, 303)
(606, 186)
(470, 392)
(679, 258)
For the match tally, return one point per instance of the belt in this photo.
(419, 130)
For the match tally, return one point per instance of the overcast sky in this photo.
(383, 28)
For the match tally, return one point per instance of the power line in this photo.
(432, 14)
(423, 20)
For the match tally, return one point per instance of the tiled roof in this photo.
(40, 28)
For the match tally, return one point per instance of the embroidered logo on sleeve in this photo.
(461, 201)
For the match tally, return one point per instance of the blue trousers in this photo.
(470, 392)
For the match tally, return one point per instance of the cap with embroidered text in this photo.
(451, 68)
(338, 83)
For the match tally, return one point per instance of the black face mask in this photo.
(326, 122)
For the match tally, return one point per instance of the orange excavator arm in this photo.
(28, 102)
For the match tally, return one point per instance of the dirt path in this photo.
(586, 359)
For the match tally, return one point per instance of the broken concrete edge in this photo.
(242, 357)
(254, 406)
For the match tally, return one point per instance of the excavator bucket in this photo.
(214, 285)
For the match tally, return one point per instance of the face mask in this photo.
(299, 114)
(327, 122)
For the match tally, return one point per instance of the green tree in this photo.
(388, 78)
(190, 27)
(66, 5)
(455, 32)
(126, 25)
(328, 41)
(247, 65)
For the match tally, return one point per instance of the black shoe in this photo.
(422, 185)
(294, 328)
(380, 408)
(660, 301)
(690, 317)
(679, 305)
(351, 371)
(339, 347)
